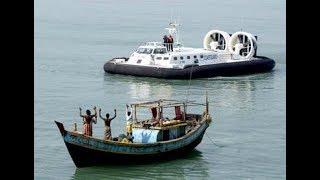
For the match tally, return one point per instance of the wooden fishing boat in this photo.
(167, 139)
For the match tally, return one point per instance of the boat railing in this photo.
(155, 43)
(159, 44)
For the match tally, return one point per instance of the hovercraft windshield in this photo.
(144, 50)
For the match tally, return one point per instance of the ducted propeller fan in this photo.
(242, 44)
(216, 40)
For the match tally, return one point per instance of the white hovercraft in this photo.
(222, 55)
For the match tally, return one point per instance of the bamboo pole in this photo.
(173, 104)
(135, 113)
(158, 111)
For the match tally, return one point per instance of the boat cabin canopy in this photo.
(166, 103)
(162, 129)
(157, 108)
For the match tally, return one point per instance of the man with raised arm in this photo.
(87, 121)
(107, 122)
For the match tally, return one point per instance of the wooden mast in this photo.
(158, 111)
(135, 113)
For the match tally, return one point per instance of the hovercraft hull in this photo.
(258, 65)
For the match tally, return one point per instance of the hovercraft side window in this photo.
(159, 58)
(181, 57)
(139, 61)
(165, 58)
(188, 57)
(201, 56)
(159, 51)
(175, 58)
(144, 50)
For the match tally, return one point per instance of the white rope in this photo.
(212, 141)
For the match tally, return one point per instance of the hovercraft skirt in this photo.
(257, 65)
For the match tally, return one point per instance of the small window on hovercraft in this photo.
(175, 58)
(201, 56)
(165, 58)
(159, 58)
(144, 51)
(159, 51)
(181, 57)
(148, 51)
(139, 61)
(195, 56)
(188, 57)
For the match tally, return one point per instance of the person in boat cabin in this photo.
(87, 121)
(107, 122)
(129, 120)
(178, 113)
(154, 119)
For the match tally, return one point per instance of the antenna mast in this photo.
(173, 30)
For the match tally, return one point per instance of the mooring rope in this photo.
(206, 133)
(212, 140)
(187, 93)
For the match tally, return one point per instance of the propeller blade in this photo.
(211, 37)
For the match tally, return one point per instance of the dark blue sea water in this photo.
(74, 38)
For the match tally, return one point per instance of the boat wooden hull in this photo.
(88, 151)
(257, 65)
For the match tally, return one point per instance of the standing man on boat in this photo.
(87, 121)
(170, 41)
(165, 42)
(129, 120)
(107, 122)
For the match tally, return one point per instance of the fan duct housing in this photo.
(216, 40)
(242, 45)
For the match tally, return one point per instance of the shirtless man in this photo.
(107, 122)
(87, 121)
